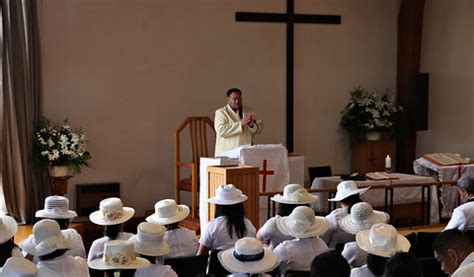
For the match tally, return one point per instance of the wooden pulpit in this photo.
(242, 177)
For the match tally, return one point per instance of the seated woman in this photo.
(229, 224)
(463, 216)
(111, 214)
(381, 241)
(182, 242)
(305, 227)
(347, 195)
(294, 195)
(19, 267)
(8, 248)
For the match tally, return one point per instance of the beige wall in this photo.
(448, 56)
(128, 72)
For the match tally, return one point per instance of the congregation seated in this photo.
(8, 248)
(463, 216)
(182, 242)
(294, 195)
(454, 250)
(330, 264)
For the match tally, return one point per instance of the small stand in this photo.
(59, 185)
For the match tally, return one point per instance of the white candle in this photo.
(388, 162)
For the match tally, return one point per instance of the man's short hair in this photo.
(330, 263)
(403, 265)
(232, 90)
(452, 239)
(467, 183)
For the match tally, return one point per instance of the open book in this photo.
(379, 176)
(445, 159)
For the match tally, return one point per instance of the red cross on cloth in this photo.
(265, 172)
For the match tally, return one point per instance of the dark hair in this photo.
(467, 183)
(151, 259)
(452, 239)
(112, 231)
(235, 215)
(123, 272)
(376, 264)
(232, 90)
(286, 209)
(403, 265)
(331, 264)
(172, 226)
(351, 200)
(6, 250)
(52, 255)
(63, 222)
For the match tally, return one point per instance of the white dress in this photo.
(97, 248)
(462, 218)
(182, 243)
(216, 235)
(354, 255)
(362, 271)
(297, 254)
(270, 232)
(156, 270)
(335, 234)
(63, 266)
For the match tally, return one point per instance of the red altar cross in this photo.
(265, 172)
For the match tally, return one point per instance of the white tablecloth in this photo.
(376, 197)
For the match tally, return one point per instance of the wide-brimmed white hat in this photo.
(362, 217)
(227, 195)
(47, 237)
(168, 212)
(111, 212)
(302, 223)
(56, 207)
(294, 194)
(149, 240)
(248, 256)
(346, 189)
(19, 267)
(8, 228)
(119, 254)
(382, 240)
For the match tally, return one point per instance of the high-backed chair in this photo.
(188, 266)
(319, 171)
(199, 127)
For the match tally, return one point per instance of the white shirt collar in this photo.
(469, 259)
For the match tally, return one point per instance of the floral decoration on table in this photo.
(59, 145)
(369, 112)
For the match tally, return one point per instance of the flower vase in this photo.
(373, 135)
(59, 171)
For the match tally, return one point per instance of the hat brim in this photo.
(362, 239)
(319, 226)
(340, 197)
(55, 214)
(230, 263)
(149, 250)
(281, 199)
(46, 247)
(348, 226)
(218, 201)
(183, 212)
(99, 264)
(11, 227)
(97, 218)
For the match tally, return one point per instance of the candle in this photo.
(388, 162)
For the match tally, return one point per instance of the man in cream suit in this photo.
(234, 123)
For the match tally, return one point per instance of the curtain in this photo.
(24, 188)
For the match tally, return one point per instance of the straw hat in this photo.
(167, 212)
(111, 212)
(56, 207)
(47, 237)
(346, 189)
(149, 240)
(227, 195)
(294, 194)
(19, 267)
(119, 254)
(382, 240)
(8, 228)
(248, 256)
(302, 223)
(362, 217)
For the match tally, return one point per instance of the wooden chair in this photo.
(188, 266)
(198, 129)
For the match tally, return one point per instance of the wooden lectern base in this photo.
(59, 185)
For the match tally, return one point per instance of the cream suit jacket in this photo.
(229, 131)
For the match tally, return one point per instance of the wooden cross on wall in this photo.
(290, 18)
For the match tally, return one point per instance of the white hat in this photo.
(149, 240)
(119, 254)
(362, 217)
(227, 195)
(18, 267)
(111, 212)
(8, 228)
(167, 212)
(302, 223)
(382, 240)
(294, 194)
(56, 207)
(47, 237)
(346, 189)
(248, 256)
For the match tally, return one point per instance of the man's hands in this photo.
(249, 119)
